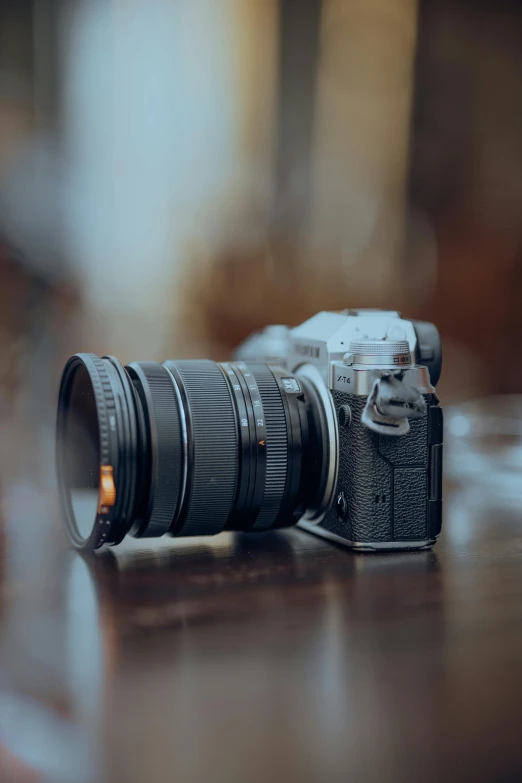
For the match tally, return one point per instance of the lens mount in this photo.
(325, 439)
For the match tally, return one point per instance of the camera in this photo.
(384, 423)
(333, 425)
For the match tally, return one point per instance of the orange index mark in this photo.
(107, 494)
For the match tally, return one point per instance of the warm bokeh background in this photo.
(174, 175)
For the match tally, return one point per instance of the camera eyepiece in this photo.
(185, 448)
(429, 348)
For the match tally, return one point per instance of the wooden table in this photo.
(277, 657)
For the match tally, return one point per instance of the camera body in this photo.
(375, 373)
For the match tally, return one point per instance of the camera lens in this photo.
(186, 448)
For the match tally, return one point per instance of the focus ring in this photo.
(214, 447)
(157, 392)
(276, 446)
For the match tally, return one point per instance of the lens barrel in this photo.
(186, 448)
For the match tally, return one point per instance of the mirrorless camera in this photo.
(333, 425)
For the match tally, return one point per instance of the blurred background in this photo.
(175, 174)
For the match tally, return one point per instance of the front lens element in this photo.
(82, 457)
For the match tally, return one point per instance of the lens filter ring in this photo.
(103, 529)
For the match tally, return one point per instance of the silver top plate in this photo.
(359, 379)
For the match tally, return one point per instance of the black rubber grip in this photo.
(162, 410)
(276, 446)
(213, 449)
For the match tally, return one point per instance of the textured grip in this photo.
(215, 446)
(384, 480)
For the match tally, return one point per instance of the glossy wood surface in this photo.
(277, 657)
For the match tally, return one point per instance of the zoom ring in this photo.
(276, 446)
(168, 458)
(215, 468)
